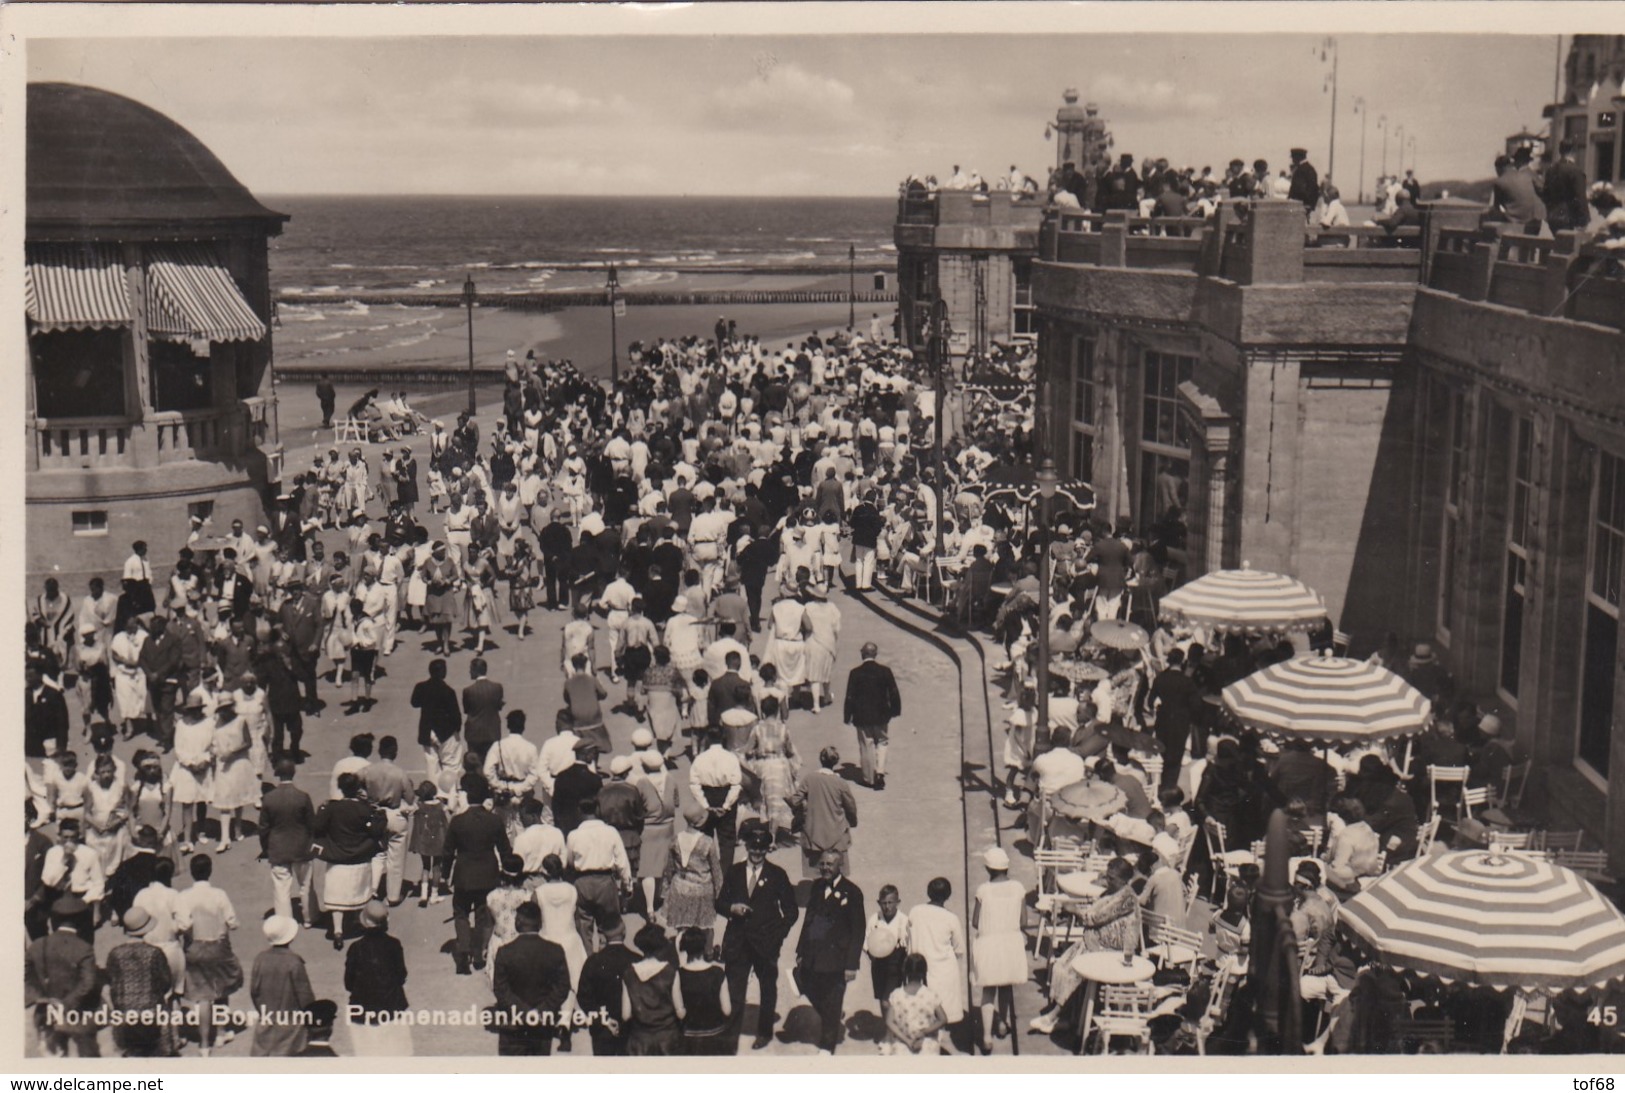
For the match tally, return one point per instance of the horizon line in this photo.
(652, 197)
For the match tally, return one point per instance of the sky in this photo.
(836, 115)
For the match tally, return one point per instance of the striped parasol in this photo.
(1328, 700)
(1504, 921)
(1074, 492)
(1244, 601)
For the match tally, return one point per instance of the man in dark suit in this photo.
(759, 903)
(1305, 186)
(161, 660)
(439, 716)
(45, 721)
(531, 981)
(728, 691)
(600, 988)
(476, 843)
(300, 619)
(1177, 702)
(61, 968)
(482, 710)
(831, 944)
(872, 700)
(287, 833)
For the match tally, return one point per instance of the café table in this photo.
(1106, 966)
(1080, 885)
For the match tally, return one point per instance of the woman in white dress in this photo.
(787, 646)
(250, 699)
(107, 815)
(998, 947)
(682, 638)
(823, 632)
(557, 898)
(191, 778)
(236, 781)
(935, 933)
(337, 634)
(129, 679)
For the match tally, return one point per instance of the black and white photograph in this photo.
(753, 532)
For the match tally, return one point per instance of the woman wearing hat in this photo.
(502, 901)
(337, 632)
(823, 635)
(280, 989)
(191, 779)
(998, 948)
(439, 575)
(236, 780)
(659, 792)
(375, 979)
(662, 692)
(693, 876)
(107, 814)
(139, 981)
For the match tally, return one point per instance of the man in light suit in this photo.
(287, 831)
(759, 903)
(830, 947)
(829, 812)
(872, 700)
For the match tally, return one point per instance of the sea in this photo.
(400, 245)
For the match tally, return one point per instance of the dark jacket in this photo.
(600, 986)
(476, 842)
(574, 784)
(728, 691)
(375, 974)
(772, 912)
(347, 832)
(301, 619)
(832, 936)
(482, 703)
(45, 718)
(872, 697)
(531, 976)
(439, 716)
(287, 825)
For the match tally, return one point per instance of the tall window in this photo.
(1024, 315)
(1607, 555)
(1455, 470)
(78, 373)
(1165, 444)
(1520, 513)
(1084, 393)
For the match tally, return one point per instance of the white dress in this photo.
(999, 950)
(129, 680)
(786, 649)
(935, 933)
(557, 899)
(191, 778)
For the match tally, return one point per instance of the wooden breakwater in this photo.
(557, 301)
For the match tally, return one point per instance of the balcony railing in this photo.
(165, 436)
(971, 208)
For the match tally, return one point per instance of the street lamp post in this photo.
(1047, 481)
(1359, 187)
(1382, 127)
(939, 352)
(612, 286)
(470, 294)
(1411, 140)
(1399, 143)
(851, 287)
(1329, 46)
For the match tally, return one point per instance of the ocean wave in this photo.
(356, 308)
(329, 352)
(414, 339)
(476, 265)
(427, 283)
(300, 313)
(341, 265)
(333, 337)
(810, 239)
(892, 247)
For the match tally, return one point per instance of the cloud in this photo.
(1125, 96)
(783, 95)
(517, 102)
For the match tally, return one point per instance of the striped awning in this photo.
(1505, 921)
(74, 286)
(1244, 601)
(190, 294)
(1328, 700)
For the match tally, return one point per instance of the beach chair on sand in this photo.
(350, 430)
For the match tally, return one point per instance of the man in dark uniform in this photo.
(759, 903)
(327, 397)
(476, 844)
(1305, 181)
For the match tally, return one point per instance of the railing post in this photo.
(1114, 240)
(1482, 270)
(1275, 256)
(1554, 286)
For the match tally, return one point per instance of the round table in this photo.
(1080, 885)
(1105, 967)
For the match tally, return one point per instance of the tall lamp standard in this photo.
(470, 294)
(1359, 187)
(1411, 140)
(1047, 481)
(612, 285)
(1329, 47)
(851, 287)
(939, 368)
(1382, 127)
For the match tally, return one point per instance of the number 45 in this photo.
(1604, 1016)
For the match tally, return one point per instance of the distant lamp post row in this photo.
(470, 295)
(1048, 479)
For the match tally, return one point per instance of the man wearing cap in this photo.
(327, 399)
(759, 902)
(831, 945)
(1424, 672)
(621, 806)
(287, 831)
(872, 700)
(60, 969)
(139, 980)
(300, 619)
(1305, 181)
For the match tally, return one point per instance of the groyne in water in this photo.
(558, 301)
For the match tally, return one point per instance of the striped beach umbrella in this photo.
(1328, 700)
(1507, 921)
(1244, 601)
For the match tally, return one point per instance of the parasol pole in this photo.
(1278, 1014)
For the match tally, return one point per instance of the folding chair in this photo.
(1175, 947)
(1557, 840)
(1316, 834)
(1123, 1011)
(350, 430)
(1441, 776)
(1503, 841)
(1187, 843)
(1226, 863)
(1217, 1002)
(1513, 780)
(1425, 834)
(1590, 864)
(1153, 773)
